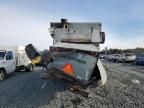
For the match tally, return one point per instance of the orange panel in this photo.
(68, 69)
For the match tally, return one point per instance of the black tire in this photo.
(29, 69)
(123, 61)
(2, 75)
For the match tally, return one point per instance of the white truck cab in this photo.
(13, 58)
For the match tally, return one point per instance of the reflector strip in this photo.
(68, 69)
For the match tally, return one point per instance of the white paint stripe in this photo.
(44, 85)
(135, 81)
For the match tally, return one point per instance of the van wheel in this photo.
(2, 75)
(29, 69)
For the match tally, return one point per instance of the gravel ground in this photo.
(124, 89)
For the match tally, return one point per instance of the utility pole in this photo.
(106, 58)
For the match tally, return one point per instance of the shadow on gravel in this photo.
(27, 89)
(50, 89)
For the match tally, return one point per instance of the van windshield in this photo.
(2, 54)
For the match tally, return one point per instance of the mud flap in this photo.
(102, 72)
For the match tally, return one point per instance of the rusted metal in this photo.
(77, 89)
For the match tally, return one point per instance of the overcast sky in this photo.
(27, 21)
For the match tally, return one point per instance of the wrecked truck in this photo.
(74, 55)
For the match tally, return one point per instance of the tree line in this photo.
(120, 51)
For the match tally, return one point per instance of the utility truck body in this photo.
(13, 58)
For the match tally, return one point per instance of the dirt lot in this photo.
(124, 89)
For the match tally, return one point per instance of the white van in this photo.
(13, 58)
(126, 57)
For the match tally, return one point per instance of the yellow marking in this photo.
(36, 60)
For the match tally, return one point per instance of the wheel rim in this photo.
(2, 76)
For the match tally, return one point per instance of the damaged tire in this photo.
(2, 75)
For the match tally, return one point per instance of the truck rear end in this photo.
(75, 52)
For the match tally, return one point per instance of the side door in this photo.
(10, 62)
